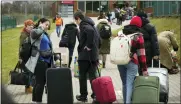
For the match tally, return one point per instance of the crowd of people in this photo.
(93, 47)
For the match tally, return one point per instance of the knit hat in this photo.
(136, 21)
(28, 22)
(142, 14)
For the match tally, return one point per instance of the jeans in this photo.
(128, 73)
(58, 30)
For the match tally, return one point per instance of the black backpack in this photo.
(65, 39)
(105, 31)
(25, 50)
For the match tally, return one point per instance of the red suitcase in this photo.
(104, 89)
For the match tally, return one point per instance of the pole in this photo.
(42, 9)
(25, 10)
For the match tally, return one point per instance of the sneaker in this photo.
(29, 89)
(81, 98)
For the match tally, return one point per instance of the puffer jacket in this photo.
(150, 39)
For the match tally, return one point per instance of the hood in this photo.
(102, 21)
(130, 29)
(87, 20)
(70, 25)
(136, 21)
(144, 21)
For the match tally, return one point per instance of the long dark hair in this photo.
(42, 20)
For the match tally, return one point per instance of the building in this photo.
(90, 8)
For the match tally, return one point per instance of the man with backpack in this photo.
(69, 35)
(105, 32)
(59, 24)
(23, 47)
(151, 41)
(87, 53)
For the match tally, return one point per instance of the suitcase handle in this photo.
(152, 63)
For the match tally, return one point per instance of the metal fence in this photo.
(163, 8)
(12, 21)
(8, 22)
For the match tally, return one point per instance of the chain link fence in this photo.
(15, 13)
(163, 8)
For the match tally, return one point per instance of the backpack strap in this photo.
(133, 49)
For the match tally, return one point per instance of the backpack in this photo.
(105, 31)
(120, 51)
(65, 39)
(25, 50)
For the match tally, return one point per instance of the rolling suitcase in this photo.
(162, 73)
(146, 90)
(104, 89)
(59, 86)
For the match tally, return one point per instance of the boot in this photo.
(81, 98)
(104, 64)
(70, 60)
(28, 89)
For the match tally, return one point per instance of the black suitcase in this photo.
(59, 86)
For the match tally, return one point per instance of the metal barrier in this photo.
(163, 8)
(8, 22)
(12, 22)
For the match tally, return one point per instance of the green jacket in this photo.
(105, 43)
(22, 37)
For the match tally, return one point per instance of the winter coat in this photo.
(167, 41)
(23, 36)
(150, 40)
(32, 61)
(89, 37)
(105, 47)
(72, 31)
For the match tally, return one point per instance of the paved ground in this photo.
(111, 70)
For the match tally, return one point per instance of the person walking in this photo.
(59, 24)
(71, 31)
(150, 40)
(105, 47)
(129, 71)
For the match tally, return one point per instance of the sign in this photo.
(103, 2)
(67, 2)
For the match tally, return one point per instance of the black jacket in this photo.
(72, 31)
(89, 37)
(150, 38)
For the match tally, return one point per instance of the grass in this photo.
(10, 45)
(162, 24)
